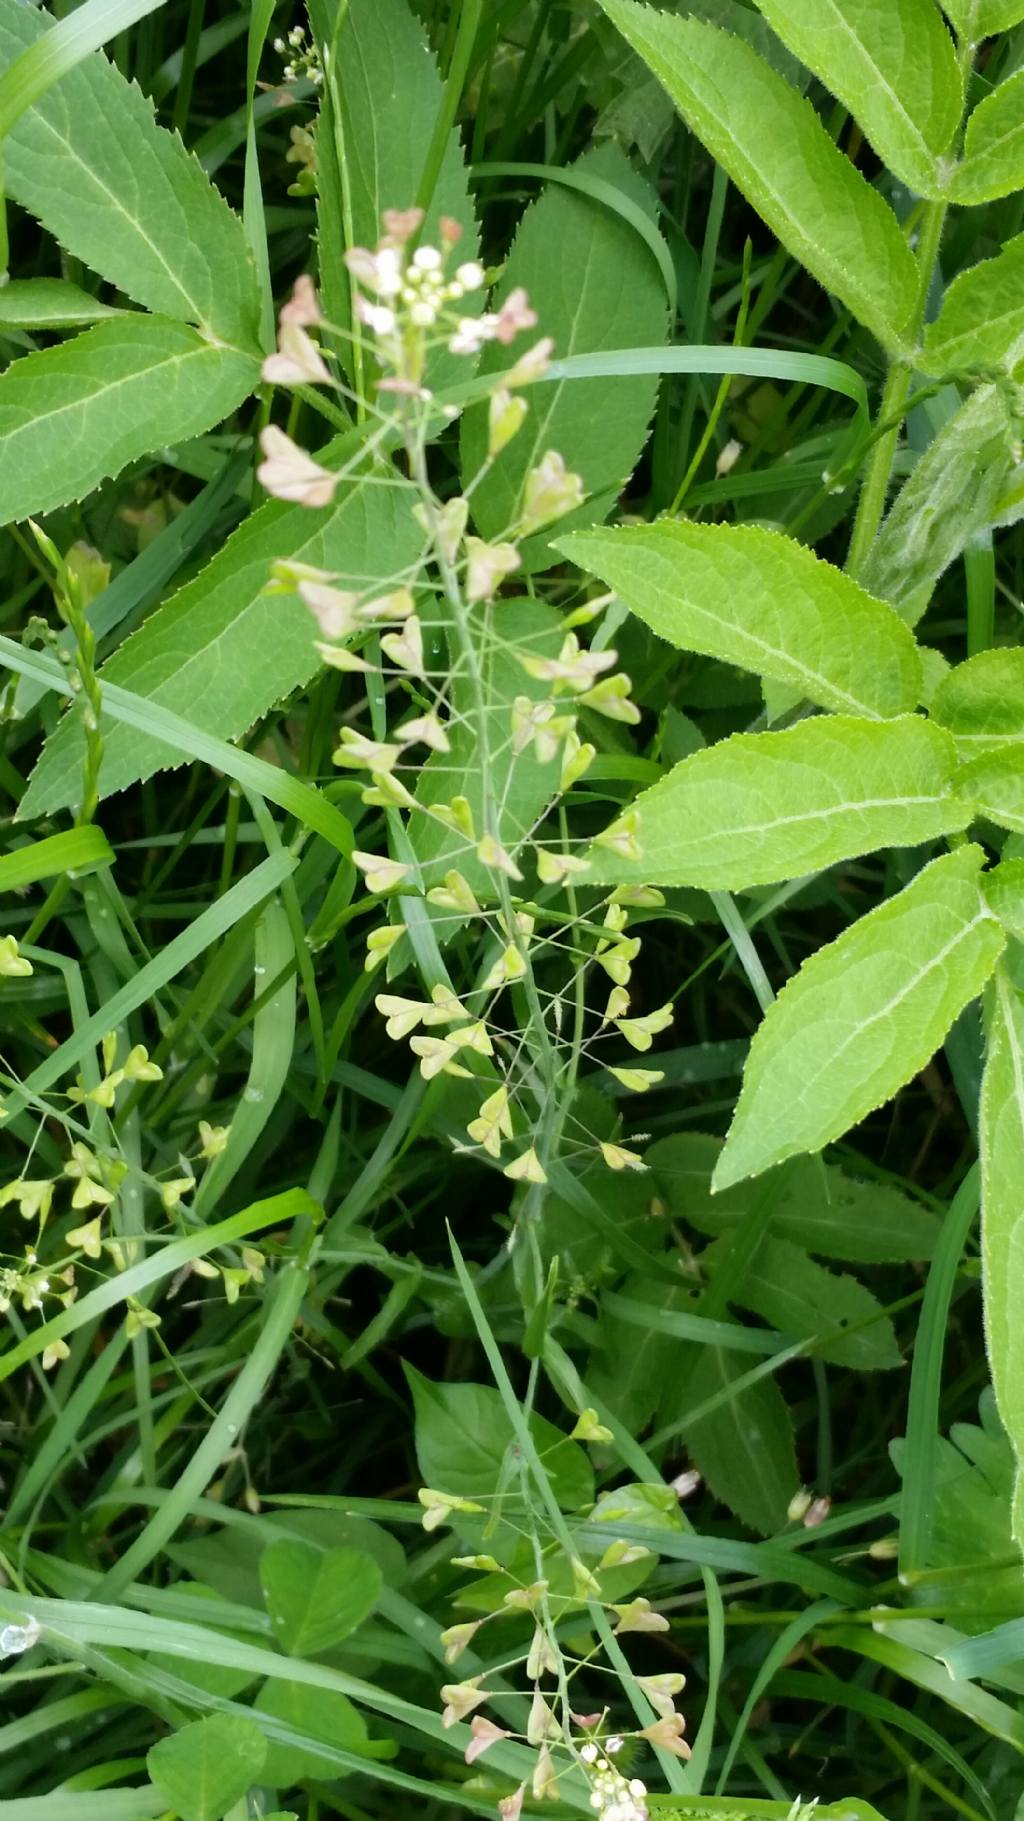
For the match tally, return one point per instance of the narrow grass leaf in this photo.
(61, 48)
(182, 738)
(862, 1016)
(78, 850)
(762, 602)
(767, 806)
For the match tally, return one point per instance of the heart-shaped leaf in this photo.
(207, 1767)
(316, 1597)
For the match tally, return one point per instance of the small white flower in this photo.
(378, 317)
(427, 259)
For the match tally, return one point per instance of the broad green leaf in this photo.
(322, 1716)
(977, 19)
(1002, 1246)
(121, 194)
(970, 1531)
(221, 652)
(603, 291)
(629, 1366)
(892, 63)
(74, 415)
(317, 1597)
(813, 199)
(374, 135)
(862, 1016)
(981, 323)
(762, 602)
(767, 806)
(818, 1208)
(956, 490)
(522, 785)
(1004, 895)
(993, 161)
(49, 303)
(463, 1435)
(803, 1300)
(981, 702)
(744, 1447)
(204, 1769)
(993, 786)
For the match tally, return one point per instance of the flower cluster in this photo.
(613, 1796)
(303, 57)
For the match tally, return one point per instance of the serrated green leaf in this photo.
(993, 161)
(49, 303)
(380, 112)
(994, 787)
(221, 652)
(862, 1016)
(75, 415)
(463, 1434)
(123, 195)
(629, 1366)
(762, 602)
(603, 291)
(813, 199)
(977, 19)
(766, 806)
(203, 1769)
(521, 784)
(981, 324)
(801, 1299)
(744, 1447)
(1001, 1139)
(981, 702)
(322, 1717)
(1004, 895)
(317, 1597)
(892, 63)
(955, 490)
(818, 1208)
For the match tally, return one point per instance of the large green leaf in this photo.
(955, 490)
(49, 303)
(993, 785)
(743, 1447)
(603, 291)
(380, 111)
(763, 602)
(74, 415)
(120, 193)
(862, 1016)
(318, 1715)
(982, 702)
(317, 1597)
(981, 323)
(463, 1434)
(993, 162)
(893, 64)
(801, 1299)
(767, 806)
(977, 19)
(207, 1767)
(813, 199)
(818, 1208)
(222, 652)
(1002, 1176)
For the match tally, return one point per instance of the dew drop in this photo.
(14, 1639)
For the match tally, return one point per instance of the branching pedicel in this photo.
(521, 1025)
